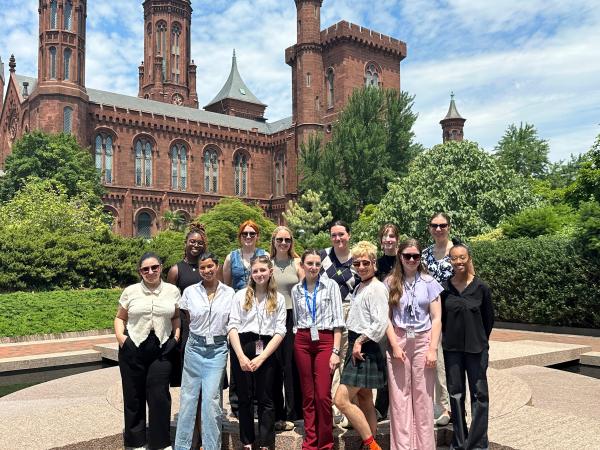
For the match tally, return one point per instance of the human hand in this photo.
(398, 353)
(256, 363)
(121, 340)
(431, 358)
(334, 362)
(246, 364)
(357, 354)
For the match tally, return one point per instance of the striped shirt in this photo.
(329, 314)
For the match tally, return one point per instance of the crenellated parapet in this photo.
(347, 31)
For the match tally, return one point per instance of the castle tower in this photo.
(453, 123)
(167, 73)
(306, 61)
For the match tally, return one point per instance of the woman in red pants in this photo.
(318, 323)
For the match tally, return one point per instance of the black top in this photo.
(385, 264)
(187, 275)
(467, 317)
(343, 274)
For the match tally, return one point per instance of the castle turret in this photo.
(453, 123)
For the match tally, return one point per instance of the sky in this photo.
(507, 61)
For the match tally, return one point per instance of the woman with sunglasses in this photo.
(317, 322)
(364, 365)
(256, 328)
(467, 321)
(287, 273)
(207, 305)
(437, 261)
(413, 336)
(147, 330)
(236, 267)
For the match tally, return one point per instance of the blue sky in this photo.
(535, 61)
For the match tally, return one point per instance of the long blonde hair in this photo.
(271, 306)
(396, 279)
(291, 251)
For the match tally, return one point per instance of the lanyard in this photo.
(312, 312)
(412, 294)
(258, 318)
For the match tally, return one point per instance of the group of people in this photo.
(310, 338)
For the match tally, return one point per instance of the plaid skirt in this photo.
(370, 373)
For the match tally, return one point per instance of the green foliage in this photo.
(222, 223)
(521, 150)
(533, 222)
(588, 231)
(55, 157)
(371, 145)
(175, 221)
(587, 184)
(169, 245)
(362, 229)
(308, 216)
(542, 281)
(24, 313)
(458, 178)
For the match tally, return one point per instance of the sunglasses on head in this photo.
(283, 240)
(411, 256)
(441, 226)
(146, 270)
(248, 234)
(365, 263)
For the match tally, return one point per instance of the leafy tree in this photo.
(371, 145)
(309, 215)
(588, 232)
(460, 179)
(587, 184)
(55, 157)
(523, 151)
(362, 228)
(174, 221)
(538, 221)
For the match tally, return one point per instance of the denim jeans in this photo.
(202, 372)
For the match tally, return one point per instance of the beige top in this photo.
(286, 278)
(149, 310)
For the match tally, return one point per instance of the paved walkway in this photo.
(505, 335)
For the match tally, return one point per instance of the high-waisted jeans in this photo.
(202, 372)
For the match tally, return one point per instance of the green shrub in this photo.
(542, 280)
(169, 245)
(588, 231)
(533, 222)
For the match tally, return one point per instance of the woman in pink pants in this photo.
(413, 335)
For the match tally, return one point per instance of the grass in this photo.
(27, 313)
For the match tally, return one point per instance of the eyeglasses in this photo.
(411, 256)
(146, 270)
(312, 264)
(435, 226)
(283, 240)
(249, 234)
(365, 263)
(462, 258)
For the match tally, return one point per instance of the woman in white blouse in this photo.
(256, 329)
(208, 305)
(318, 324)
(147, 329)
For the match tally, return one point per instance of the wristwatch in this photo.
(335, 351)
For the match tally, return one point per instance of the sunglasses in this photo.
(283, 240)
(249, 234)
(365, 263)
(435, 226)
(146, 270)
(411, 256)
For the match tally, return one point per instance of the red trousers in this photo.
(312, 360)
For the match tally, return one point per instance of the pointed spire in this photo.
(452, 111)
(12, 64)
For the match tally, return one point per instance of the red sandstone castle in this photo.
(159, 152)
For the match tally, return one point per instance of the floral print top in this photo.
(440, 269)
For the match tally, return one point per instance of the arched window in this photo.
(279, 174)
(53, 63)
(241, 174)
(211, 170)
(53, 14)
(175, 52)
(80, 22)
(161, 38)
(329, 78)
(67, 119)
(67, 68)
(68, 16)
(371, 76)
(144, 225)
(104, 156)
(143, 163)
(179, 167)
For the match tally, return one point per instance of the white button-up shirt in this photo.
(329, 313)
(369, 310)
(207, 318)
(257, 320)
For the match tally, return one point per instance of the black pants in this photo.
(145, 372)
(287, 377)
(263, 381)
(475, 365)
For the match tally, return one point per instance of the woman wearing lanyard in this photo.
(364, 366)
(256, 329)
(413, 340)
(147, 329)
(318, 321)
(467, 321)
(287, 272)
(208, 305)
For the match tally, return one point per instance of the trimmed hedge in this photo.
(24, 313)
(540, 281)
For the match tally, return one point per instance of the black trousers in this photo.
(475, 365)
(263, 381)
(145, 372)
(286, 377)
(382, 402)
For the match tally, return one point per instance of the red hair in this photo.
(248, 223)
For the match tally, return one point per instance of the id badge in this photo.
(210, 340)
(410, 332)
(259, 347)
(314, 333)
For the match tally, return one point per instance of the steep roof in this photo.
(235, 88)
(106, 98)
(452, 111)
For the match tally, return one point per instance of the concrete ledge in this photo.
(55, 336)
(49, 360)
(590, 359)
(504, 355)
(108, 351)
